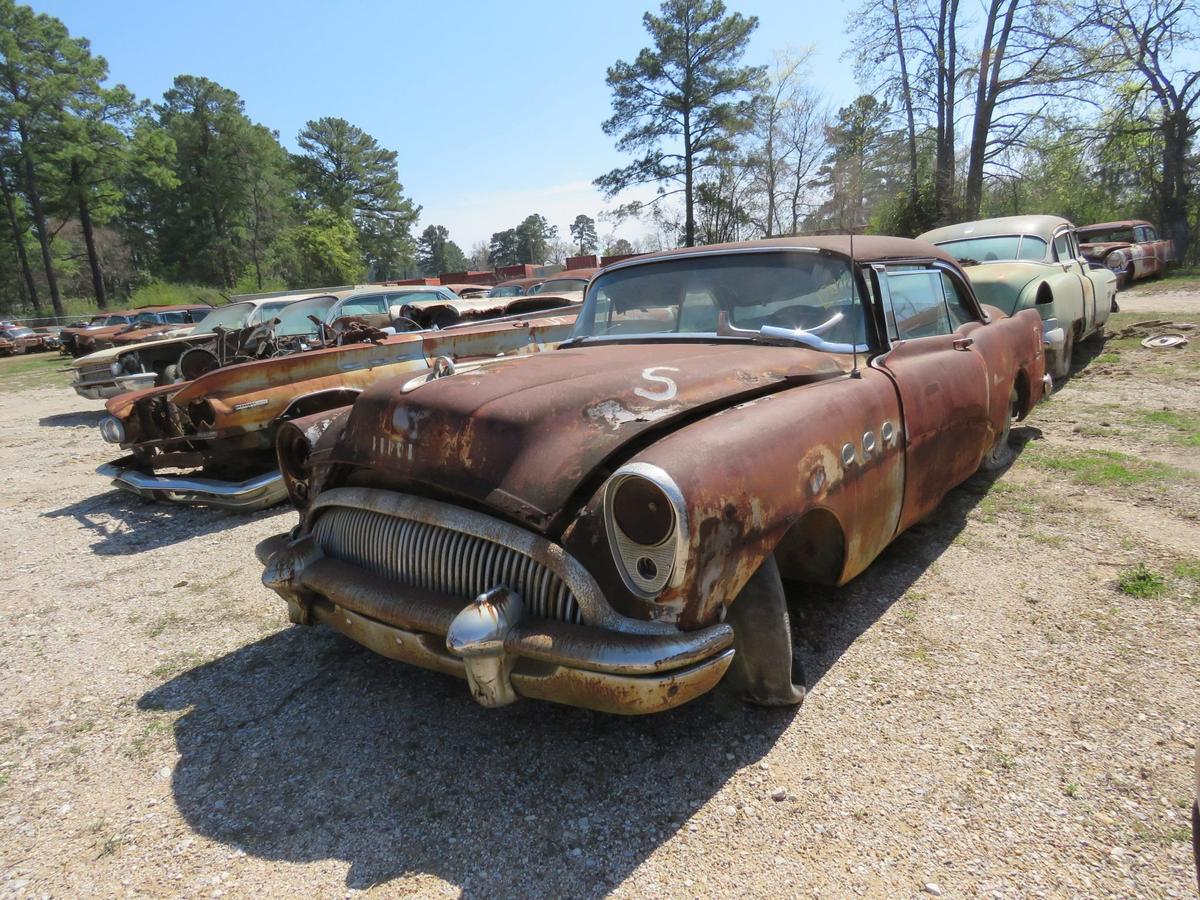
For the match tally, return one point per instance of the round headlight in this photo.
(642, 511)
(115, 368)
(112, 430)
(1115, 260)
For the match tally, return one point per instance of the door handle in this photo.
(962, 343)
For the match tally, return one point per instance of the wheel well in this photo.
(814, 549)
(319, 402)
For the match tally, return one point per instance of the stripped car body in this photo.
(211, 440)
(604, 525)
(1131, 249)
(1034, 262)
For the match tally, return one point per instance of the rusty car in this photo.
(607, 525)
(111, 319)
(211, 440)
(1131, 249)
(146, 319)
(1034, 262)
(26, 340)
(516, 287)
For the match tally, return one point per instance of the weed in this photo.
(1050, 540)
(4, 777)
(1104, 467)
(1185, 424)
(1188, 568)
(1141, 582)
(1071, 789)
(163, 624)
(1109, 357)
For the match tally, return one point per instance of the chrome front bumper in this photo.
(607, 663)
(259, 492)
(106, 390)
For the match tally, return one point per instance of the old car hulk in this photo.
(607, 525)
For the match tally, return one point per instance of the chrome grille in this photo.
(95, 372)
(430, 557)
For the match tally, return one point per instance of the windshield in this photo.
(115, 320)
(507, 290)
(269, 311)
(147, 318)
(1108, 236)
(228, 317)
(558, 285)
(18, 332)
(792, 290)
(994, 249)
(294, 320)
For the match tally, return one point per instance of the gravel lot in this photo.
(988, 714)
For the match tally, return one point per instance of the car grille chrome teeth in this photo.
(435, 558)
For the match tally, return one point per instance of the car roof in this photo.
(1122, 223)
(585, 274)
(1039, 226)
(524, 282)
(174, 308)
(866, 248)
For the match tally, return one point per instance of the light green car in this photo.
(1033, 262)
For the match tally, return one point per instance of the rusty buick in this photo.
(211, 440)
(1130, 249)
(607, 525)
(1034, 262)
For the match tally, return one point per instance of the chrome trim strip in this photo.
(259, 492)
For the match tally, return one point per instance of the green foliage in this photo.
(529, 242)
(858, 171)
(436, 253)
(681, 103)
(583, 232)
(1104, 467)
(345, 170)
(161, 293)
(322, 251)
(1141, 581)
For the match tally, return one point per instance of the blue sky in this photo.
(494, 108)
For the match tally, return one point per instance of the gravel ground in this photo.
(989, 715)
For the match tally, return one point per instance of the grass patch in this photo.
(1111, 356)
(1141, 581)
(1185, 424)
(1189, 568)
(33, 370)
(1103, 467)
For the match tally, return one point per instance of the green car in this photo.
(1033, 262)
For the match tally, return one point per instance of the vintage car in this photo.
(516, 287)
(1130, 249)
(26, 340)
(7, 347)
(223, 332)
(1033, 262)
(148, 326)
(566, 282)
(211, 440)
(469, 291)
(607, 525)
(121, 318)
(150, 320)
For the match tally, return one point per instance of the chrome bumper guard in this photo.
(623, 666)
(1054, 338)
(259, 492)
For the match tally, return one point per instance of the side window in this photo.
(1062, 247)
(918, 304)
(1150, 233)
(961, 311)
(363, 306)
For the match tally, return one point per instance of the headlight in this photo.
(646, 520)
(1115, 260)
(112, 430)
(115, 368)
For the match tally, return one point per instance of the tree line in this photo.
(1081, 108)
(1084, 108)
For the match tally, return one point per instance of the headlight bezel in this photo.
(668, 556)
(112, 430)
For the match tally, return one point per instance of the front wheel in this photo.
(764, 670)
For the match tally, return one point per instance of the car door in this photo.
(1079, 268)
(942, 382)
(1070, 302)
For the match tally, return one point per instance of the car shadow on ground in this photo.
(305, 746)
(89, 417)
(124, 523)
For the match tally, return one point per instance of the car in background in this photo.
(571, 281)
(469, 291)
(7, 347)
(1034, 262)
(97, 322)
(431, 313)
(216, 434)
(1131, 249)
(26, 340)
(606, 526)
(226, 333)
(516, 287)
(151, 318)
(170, 323)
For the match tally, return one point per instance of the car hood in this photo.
(524, 436)
(1000, 284)
(1099, 250)
(108, 354)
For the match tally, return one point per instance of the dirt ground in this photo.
(990, 714)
